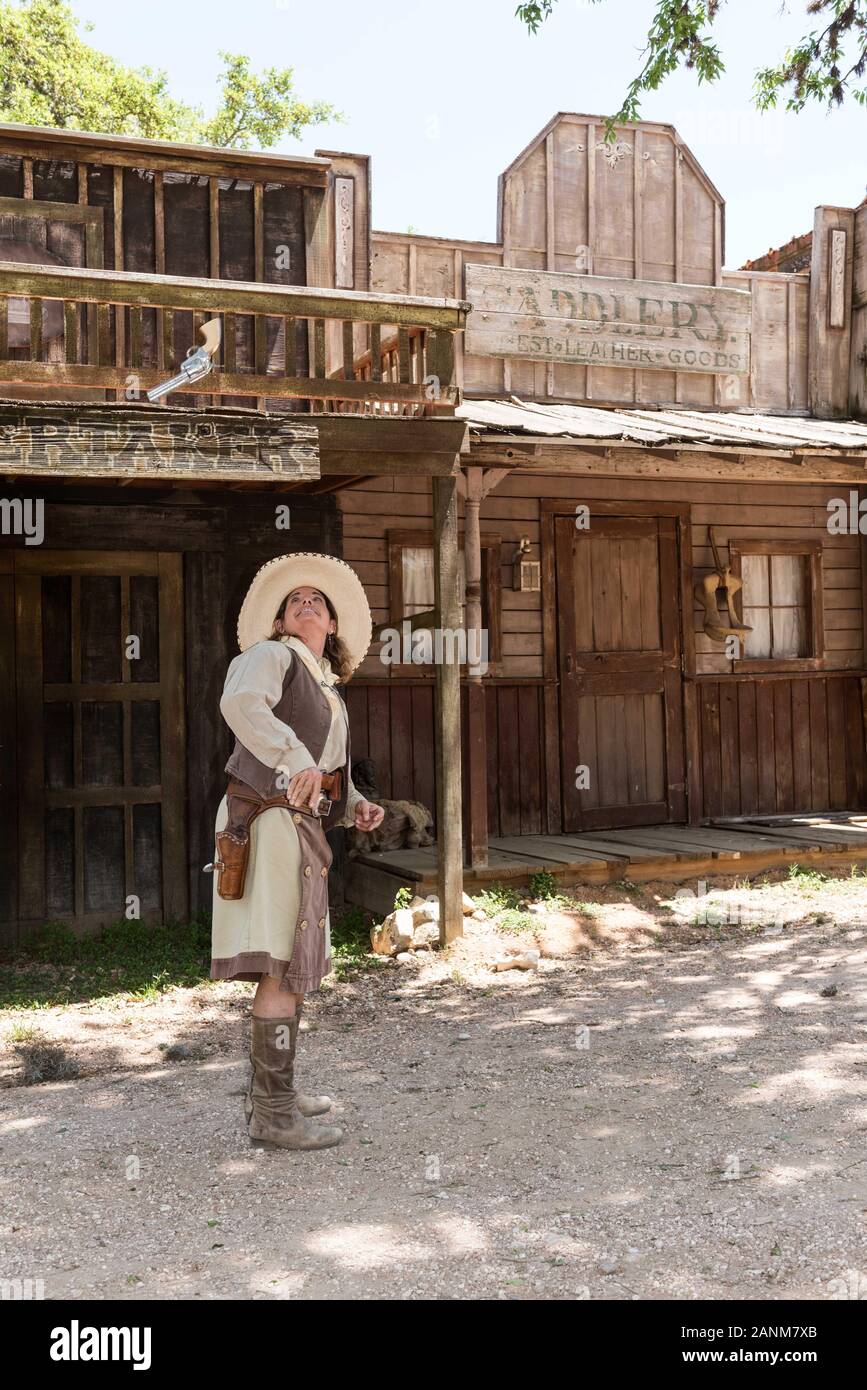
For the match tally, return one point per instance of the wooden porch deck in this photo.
(743, 846)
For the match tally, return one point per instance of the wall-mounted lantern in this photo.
(526, 574)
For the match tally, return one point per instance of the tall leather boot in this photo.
(275, 1117)
(308, 1105)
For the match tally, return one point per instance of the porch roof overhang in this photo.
(134, 443)
(592, 426)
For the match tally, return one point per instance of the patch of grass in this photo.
(350, 943)
(806, 878)
(627, 886)
(22, 1032)
(514, 922)
(43, 1060)
(129, 959)
(498, 898)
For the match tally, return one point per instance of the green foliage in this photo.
(824, 66)
(402, 898)
(535, 14)
(350, 943)
(497, 898)
(49, 76)
(130, 959)
(543, 885)
(256, 112)
(806, 878)
(515, 923)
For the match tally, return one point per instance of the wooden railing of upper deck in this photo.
(79, 329)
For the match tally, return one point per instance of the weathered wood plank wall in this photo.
(643, 210)
(396, 714)
(858, 344)
(222, 538)
(210, 214)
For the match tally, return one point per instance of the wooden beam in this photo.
(831, 269)
(83, 376)
(233, 296)
(477, 750)
(119, 313)
(392, 438)
(693, 464)
(448, 714)
(131, 152)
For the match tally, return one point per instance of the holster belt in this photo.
(244, 805)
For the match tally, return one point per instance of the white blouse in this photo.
(254, 685)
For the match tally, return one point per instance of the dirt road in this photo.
(664, 1118)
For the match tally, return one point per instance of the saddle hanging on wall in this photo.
(706, 592)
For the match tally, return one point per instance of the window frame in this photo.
(407, 539)
(816, 620)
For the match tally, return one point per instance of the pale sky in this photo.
(444, 95)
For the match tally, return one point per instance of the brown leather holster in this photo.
(233, 843)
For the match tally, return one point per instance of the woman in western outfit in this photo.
(304, 626)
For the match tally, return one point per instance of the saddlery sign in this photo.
(596, 322)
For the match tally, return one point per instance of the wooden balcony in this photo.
(114, 335)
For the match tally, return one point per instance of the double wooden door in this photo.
(619, 652)
(100, 747)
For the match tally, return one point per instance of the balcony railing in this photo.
(340, 350)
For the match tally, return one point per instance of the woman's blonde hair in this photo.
(335, 650)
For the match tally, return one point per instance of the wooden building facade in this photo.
(131, 531)
(607, 703)
(555, 438)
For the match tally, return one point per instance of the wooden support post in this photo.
(477, 756)
(447, 731)
(831, 268)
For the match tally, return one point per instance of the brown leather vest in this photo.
(304, 706)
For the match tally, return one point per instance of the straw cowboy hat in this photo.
(332, 577)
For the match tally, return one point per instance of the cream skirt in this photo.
(255, 935)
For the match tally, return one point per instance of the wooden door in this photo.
(621, 708)
(100, 736)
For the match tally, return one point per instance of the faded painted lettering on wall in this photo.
(593, 321)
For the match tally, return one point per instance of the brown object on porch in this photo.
(407, 825)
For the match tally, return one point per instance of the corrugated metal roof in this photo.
(665, 427)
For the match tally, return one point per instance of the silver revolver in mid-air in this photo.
(198, 362)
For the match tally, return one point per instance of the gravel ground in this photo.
(673, 1112)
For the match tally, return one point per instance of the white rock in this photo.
(394, 935)
(426, 934)
(529, 960)
(468, 904)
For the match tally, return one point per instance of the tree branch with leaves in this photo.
(826, 65)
